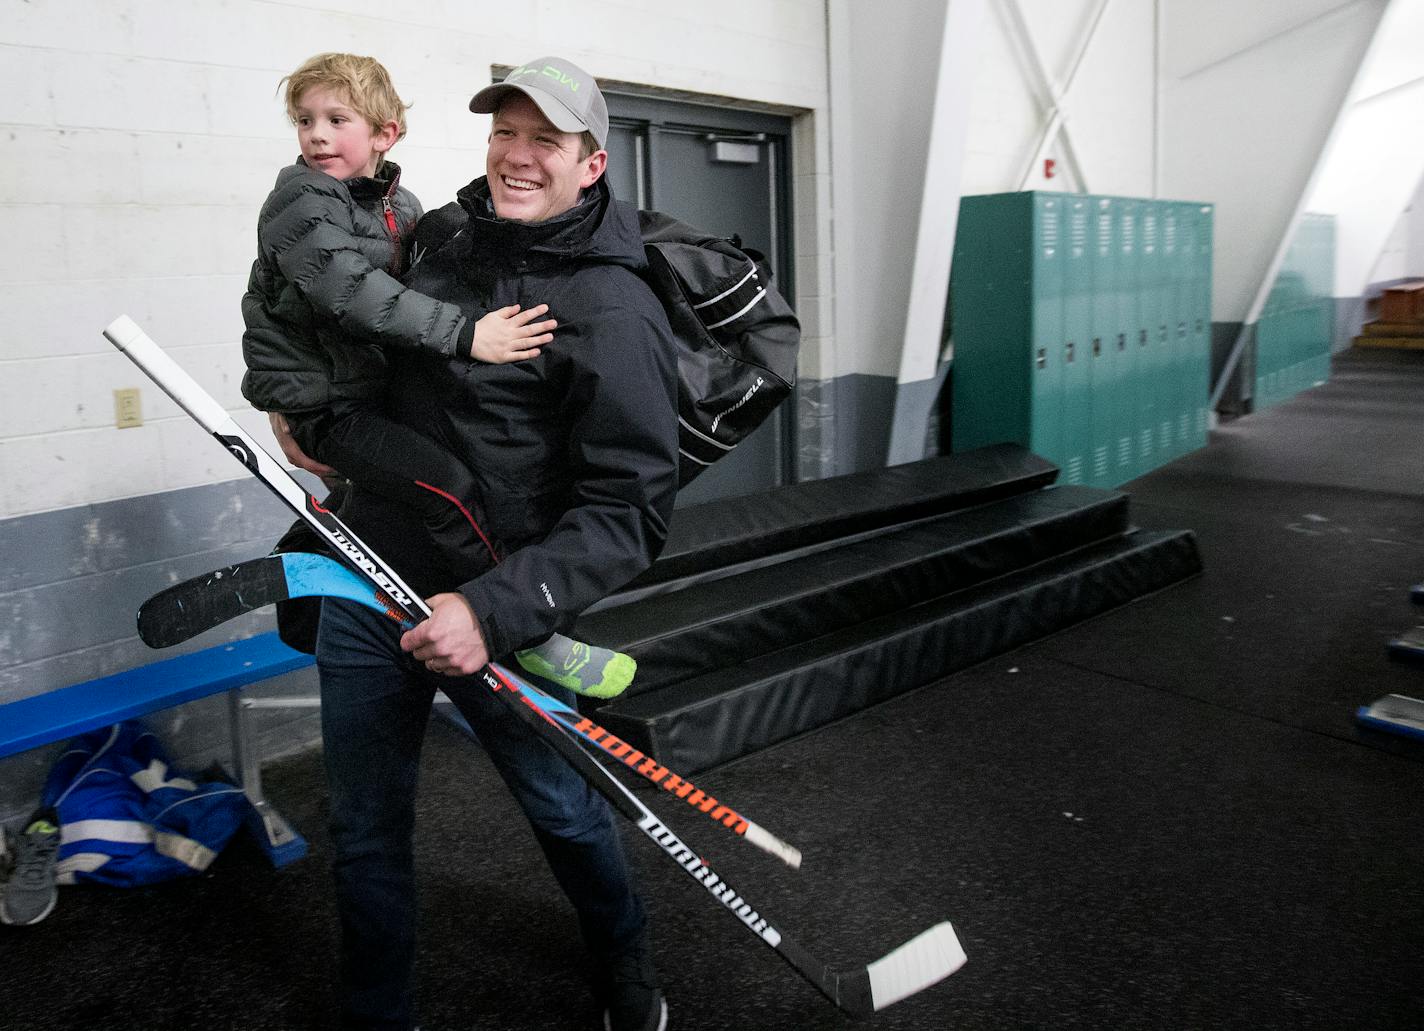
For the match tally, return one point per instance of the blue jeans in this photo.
(375, 703)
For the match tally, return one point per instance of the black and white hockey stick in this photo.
(186, 609)
(922, 961)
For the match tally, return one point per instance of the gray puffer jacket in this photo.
(323, 298)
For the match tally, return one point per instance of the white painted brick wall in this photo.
(142, 135)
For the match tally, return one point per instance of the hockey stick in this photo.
(922, 961)
(179, 612)
(187, 609)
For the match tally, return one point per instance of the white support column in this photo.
(938, 215)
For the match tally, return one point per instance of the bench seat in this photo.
(225, 668)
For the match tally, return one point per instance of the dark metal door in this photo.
(724, 171)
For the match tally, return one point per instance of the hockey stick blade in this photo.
(857, 991)
(924, 960)
(186, 609)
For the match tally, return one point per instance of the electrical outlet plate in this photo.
(128, 408)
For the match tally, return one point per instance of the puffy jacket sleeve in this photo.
(622, 407)
(307, 230)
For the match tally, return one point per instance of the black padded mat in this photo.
(745, 529)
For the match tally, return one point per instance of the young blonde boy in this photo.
(324, 301)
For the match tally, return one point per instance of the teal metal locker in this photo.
(1166, 332)
(1149, 345)
(1296, 327)
(1045, 300)
(1081, 328)
(1173, 394)
(1108, 363)
(1077, 333)
(1129, 278)
(1201, 322)
(1006, 295)
(1180, 327)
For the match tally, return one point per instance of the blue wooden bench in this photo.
(68, 711)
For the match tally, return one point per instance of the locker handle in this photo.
(1122, 341)
(1069, 357)
(1042, 362)
(1097, 347)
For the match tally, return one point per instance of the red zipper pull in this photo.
(397, 265)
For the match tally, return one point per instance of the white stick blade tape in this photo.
(769, 842)
(914, 966)
(174, 380)
(122, 330)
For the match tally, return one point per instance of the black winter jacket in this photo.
(575, 450)
(322, 299)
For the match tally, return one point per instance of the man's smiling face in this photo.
(535, 171)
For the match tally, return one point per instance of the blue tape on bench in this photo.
(61, 714)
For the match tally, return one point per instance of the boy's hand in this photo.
(510, 335)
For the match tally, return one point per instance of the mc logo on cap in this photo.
(560, 76)
(564, 92)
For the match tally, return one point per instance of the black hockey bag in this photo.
(737, 338)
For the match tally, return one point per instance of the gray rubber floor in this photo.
(1162, 818)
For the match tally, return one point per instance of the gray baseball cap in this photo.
(567, 95)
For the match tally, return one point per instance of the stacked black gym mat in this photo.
(770, 615)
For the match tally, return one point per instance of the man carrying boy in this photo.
(575, 453)
(322, 307)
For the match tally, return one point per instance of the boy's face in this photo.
(535, 171)
(335, 139)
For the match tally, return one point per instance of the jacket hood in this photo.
(599, 228)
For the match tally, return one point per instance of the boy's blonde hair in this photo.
(364, 81)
